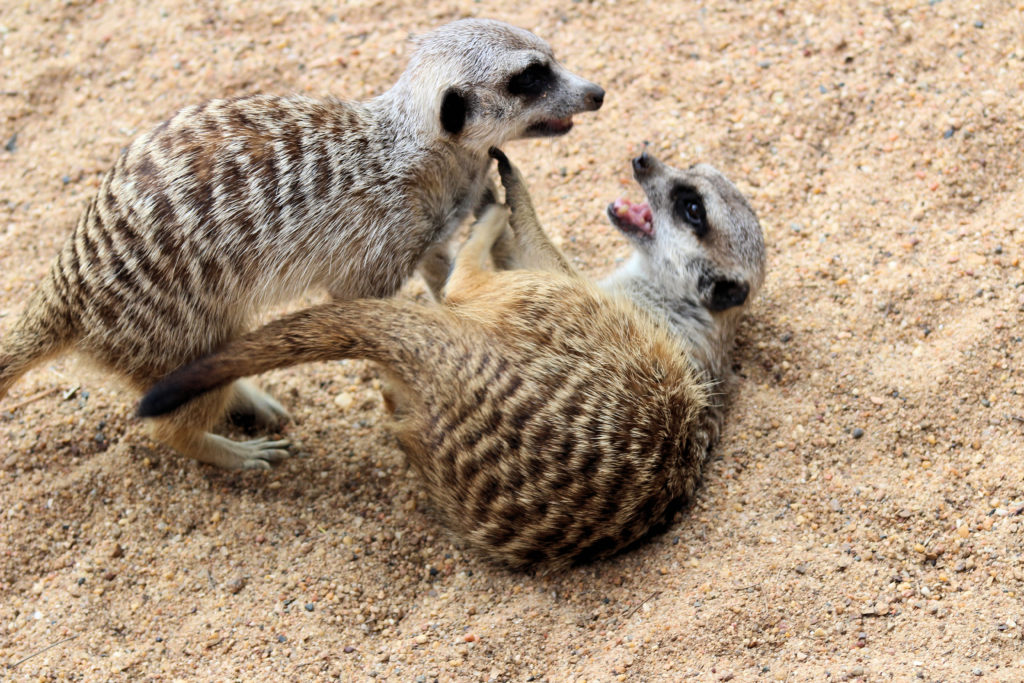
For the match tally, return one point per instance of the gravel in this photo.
(889, 133)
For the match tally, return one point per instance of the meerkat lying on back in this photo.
(233, 205)
(552, 421)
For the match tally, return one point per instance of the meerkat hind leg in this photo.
(435, 266)
(186, 432)
(475, 253)
(252, 406)
(528, 246)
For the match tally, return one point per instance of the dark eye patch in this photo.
(531, 81)
(689, 207)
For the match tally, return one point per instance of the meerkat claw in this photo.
(261, 452)
(241, 455)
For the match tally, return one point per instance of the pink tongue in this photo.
(638, 215)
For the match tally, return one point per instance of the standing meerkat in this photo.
(553, 421)
(234, 205)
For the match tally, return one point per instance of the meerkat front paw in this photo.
(255, 454)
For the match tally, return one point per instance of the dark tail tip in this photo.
(174, 391)
(160, 400)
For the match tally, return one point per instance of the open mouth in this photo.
(551, 127)
(632, 219)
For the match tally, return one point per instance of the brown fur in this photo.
(552, 422)
(234, 205)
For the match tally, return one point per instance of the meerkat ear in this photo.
(455, 109)
(727, 293)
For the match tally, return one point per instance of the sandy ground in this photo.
(863, 516)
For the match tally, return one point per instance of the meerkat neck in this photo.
(708, 337)
(406, 126)
(411, 116)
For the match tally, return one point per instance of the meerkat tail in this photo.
(45, 328)
(384, 331)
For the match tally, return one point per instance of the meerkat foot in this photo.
(252, 407)
(434, 267)
(472, 258)
(255, 454)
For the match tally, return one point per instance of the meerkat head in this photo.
(695, 236)
(486, 82)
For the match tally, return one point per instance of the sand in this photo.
(863, 515)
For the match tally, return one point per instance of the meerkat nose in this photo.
(642, 164)
(594, 98)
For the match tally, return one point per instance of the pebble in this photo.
(858, 432)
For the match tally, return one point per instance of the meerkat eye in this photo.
(531, 81)
(690, 207)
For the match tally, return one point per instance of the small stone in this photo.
(348, 649)
(344, 400)
(12, 143)
(237, 585)
(858, 432)
(977, 672)
(281, 639)
(979, 24)
(800, 569)
(117, 551)
(310, 607)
